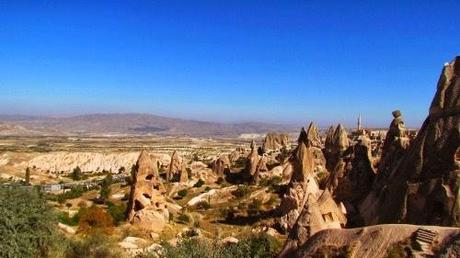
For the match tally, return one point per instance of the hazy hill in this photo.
(131, 124)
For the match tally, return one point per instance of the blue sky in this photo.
(272, 61)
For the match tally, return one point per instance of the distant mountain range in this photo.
(129, 124)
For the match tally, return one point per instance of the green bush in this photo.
(27, 223)
(203, 205)
(64, 218)
(117, 212)
(198, 184)
(183, 218)
(241, 191)
(76, 174)
(182, 193)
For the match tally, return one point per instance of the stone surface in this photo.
(177, 170)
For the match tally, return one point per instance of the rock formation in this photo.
(337, 147)
(424, 187)
(253, 162)
(358, 174)
(177, 170)
(374, 241)
(319, 213)
(220, 165)
(302, 183)
(275, 141)
(312, 136)
(394, 146)
(147, 205)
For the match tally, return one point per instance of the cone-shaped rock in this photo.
(394, 146)
(146, 205)
(313, 138)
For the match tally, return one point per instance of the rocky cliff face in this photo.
(65, 162)
(424, 187)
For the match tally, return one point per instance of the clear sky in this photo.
(273, 61)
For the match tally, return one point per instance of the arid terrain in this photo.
(329, 192)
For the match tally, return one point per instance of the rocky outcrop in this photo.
(253, 162)
(302, 183)
(177, 170)
(89, 162)
(313, 138)
(337, 147)
(374, 241)
(394, 147)
(320, 212)
(147, 206)
(358, 174)
(275, 141)
(220, 165)
(336, 144)
(424, 187)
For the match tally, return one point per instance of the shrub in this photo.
(95, 219)
(252, 246)
(117, 212)
(27, 224)
(241, 191)
(76, 174)
(182, 193)
(183, 218)
(64, 218)
(203, 205)
(254, 207)
(95, 245)
(199, 183)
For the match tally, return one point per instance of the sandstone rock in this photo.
(373, 241)
(336, 145)
(358, 174)
(229, 240)
(147, 205)
(177, 170)
(253, 161)
(302, 183)
(423, 187)
(57, 162)
(275, 141)
(132, 243)
(220, 165)
(394, 147)
(67, 229)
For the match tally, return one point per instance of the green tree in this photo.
(76, 174)
(27, 177)
(27, 223)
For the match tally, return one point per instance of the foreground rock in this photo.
(147, 206)
(424, 187)
(374, 241)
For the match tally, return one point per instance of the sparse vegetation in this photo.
(95, 219)
(76, 174)
(182, 193)
(199, 183)
(241, 191)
